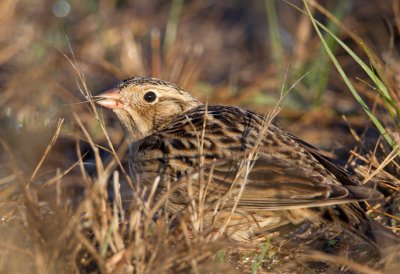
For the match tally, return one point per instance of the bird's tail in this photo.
(353, 218)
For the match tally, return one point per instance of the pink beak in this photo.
(110, 99)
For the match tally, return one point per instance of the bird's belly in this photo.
(244, 225)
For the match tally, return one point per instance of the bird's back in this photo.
(280, 171)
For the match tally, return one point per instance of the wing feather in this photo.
(285, 173)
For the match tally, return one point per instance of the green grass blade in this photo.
(369, 72)
(172, 24)
(275, 38)
(255, 266)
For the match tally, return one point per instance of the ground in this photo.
(60, 205)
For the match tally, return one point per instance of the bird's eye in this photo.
(150, 96)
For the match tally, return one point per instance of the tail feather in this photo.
(352, 218)
(386, 240)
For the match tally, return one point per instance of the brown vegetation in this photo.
(62, 162)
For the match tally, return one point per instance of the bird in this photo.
(254, 175)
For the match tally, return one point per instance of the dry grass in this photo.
(67, 204)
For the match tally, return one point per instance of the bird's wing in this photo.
(339, 172)
(286, 172)
(274, 183)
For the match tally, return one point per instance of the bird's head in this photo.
(144, 104)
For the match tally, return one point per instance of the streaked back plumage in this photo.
(280, 178)
(285, 175)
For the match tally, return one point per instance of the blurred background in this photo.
(243, 53)
(232, 52)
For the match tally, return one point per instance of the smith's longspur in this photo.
(270, 176)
